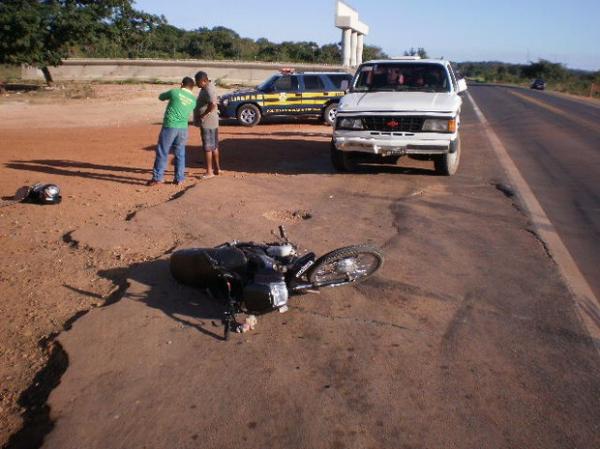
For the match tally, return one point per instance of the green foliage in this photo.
(418, 52)
(42, 32)
(10, 72)
(546, 70)
(330, 54)
(372, 52)
(556, 75)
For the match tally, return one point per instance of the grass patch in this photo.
(10, 72)
(41, 93)
(78, 91)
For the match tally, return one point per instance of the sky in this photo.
(460, 30)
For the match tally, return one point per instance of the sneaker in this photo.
(179, 183)
(153, 182)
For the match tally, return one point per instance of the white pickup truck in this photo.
(397, 107)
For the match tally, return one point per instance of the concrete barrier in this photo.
(227, 72)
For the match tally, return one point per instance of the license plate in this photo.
(394, 152)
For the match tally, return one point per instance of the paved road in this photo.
(555, 143)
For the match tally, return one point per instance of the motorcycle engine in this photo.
(268, 289)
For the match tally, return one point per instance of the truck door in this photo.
(285, 97)
(314, 95)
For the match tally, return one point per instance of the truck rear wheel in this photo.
(447, 164)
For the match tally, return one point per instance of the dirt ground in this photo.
(101, 167)
(466, 338)
(97, 143)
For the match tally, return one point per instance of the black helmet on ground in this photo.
(44, 194)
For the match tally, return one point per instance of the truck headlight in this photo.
(349, 123)
(224, 101)
(438, 125)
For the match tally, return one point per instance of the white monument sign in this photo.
(353, 32)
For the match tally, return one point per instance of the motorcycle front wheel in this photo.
(346, 265)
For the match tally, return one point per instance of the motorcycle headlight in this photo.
(439, 125)
(349, 123)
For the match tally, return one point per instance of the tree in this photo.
(166, 40)
(546, 70)
(132, 30)
(420, 52)
(330, 54)
(372, 52)
(41, 32)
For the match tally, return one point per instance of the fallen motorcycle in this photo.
(259, 277)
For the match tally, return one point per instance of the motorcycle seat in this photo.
(201, 266)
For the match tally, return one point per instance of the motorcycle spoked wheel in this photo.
(345, 266)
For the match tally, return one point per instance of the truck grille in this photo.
(388, 123)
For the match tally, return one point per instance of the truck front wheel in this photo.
(248, 115)
(341, 160)
(329, 114)
(447, 164)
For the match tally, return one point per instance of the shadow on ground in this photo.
(36, 416)
(188, 306)
(259, 154)
(60, 167)
(151, 283)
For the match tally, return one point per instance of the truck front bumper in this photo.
(390, 145)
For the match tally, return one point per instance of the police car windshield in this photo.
(413, 77)
(267, 83)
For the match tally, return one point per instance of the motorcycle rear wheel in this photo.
(346, 265)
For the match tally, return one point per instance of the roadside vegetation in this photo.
(42, 33)
(557, 77)
(10, 72)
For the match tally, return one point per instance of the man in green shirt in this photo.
(174, 132)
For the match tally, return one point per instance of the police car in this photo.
(287, 93)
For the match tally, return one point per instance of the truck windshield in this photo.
(425, 77)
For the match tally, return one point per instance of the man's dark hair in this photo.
(201, 76)
(187, 82)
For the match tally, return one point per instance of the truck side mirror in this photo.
(462, 85)
(344, 85)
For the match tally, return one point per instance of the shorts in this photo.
(210, 139)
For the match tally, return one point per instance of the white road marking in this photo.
(587, 305)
